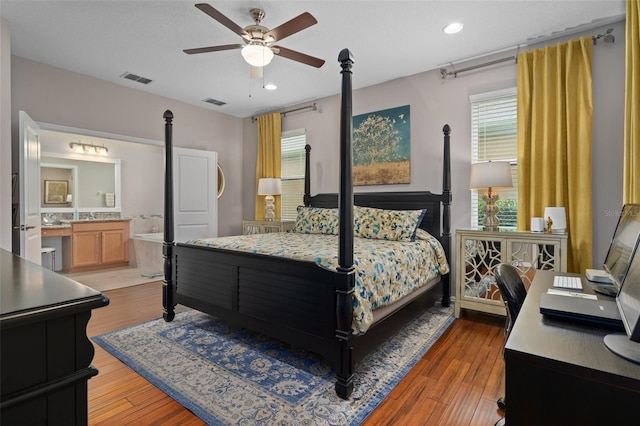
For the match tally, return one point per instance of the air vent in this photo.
(137, 78)
(214, 101)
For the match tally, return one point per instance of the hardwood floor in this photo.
(456, 382)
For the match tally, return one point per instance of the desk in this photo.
(45, 354)
(560, 373)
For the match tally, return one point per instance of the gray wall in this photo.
(55, 96)
(435, 102)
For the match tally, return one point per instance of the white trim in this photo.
(295, 132)
(97, 134)
(511, 91)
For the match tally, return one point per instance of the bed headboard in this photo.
(437, 220)
(393, 201)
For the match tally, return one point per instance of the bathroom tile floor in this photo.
(109, 279)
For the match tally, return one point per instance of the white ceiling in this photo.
(388, 39)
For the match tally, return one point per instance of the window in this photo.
(292, 172)
(494, 137)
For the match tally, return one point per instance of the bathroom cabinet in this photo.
(98, 245)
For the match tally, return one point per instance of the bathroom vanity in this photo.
(97, 245)
(92, 244)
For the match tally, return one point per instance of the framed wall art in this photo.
(55, 191)
(382, 147)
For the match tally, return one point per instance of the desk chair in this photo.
(513, 293)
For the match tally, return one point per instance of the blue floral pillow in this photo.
(316, 220)
(395, 225)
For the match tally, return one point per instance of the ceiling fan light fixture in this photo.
(257, 55)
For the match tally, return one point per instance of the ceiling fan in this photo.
(258, 49)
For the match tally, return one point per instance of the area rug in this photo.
(230, 377)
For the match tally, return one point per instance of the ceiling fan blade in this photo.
(213, 48)
(297, 56)
(292, 26)
(215, 14)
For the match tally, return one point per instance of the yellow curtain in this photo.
(268, 162)
(631, 168)
(555, 108)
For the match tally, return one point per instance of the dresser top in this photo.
(27, 289)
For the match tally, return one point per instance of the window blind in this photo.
(494, 137)
(292, 172)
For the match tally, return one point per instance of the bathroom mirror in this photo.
(89, 182)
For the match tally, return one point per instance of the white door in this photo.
(195, 194)
(29, 177)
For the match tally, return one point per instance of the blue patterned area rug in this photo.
(230, 377)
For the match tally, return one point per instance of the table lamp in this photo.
(269, 187)
(491, 175)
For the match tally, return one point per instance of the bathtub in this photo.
(158, 236)
(146, 254)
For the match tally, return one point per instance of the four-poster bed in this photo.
(299, 301)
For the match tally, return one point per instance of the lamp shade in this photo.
(492, 174)
(269, 186)
(257, 55)
(558, 218)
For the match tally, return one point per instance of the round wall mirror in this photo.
(220, 181)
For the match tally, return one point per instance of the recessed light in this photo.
(270, 86)
(452, 28)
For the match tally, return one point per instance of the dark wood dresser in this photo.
(45, 354)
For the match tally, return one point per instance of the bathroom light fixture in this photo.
(452, 28)
(88, 148)
(257, 55)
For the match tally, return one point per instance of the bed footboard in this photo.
(290, 300)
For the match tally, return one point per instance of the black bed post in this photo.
(168, 303)
(346, 276)
(446, 212)
(307, 174)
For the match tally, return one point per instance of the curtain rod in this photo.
(312, 107)
(608, 38)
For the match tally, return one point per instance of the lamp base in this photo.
(490, 210)
(269, 208)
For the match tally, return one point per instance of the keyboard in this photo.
(573, 283)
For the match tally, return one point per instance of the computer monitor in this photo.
(624, 240)
(628, 301)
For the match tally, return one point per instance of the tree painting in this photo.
(381, 147)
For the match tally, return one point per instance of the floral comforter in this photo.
(385, 270)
